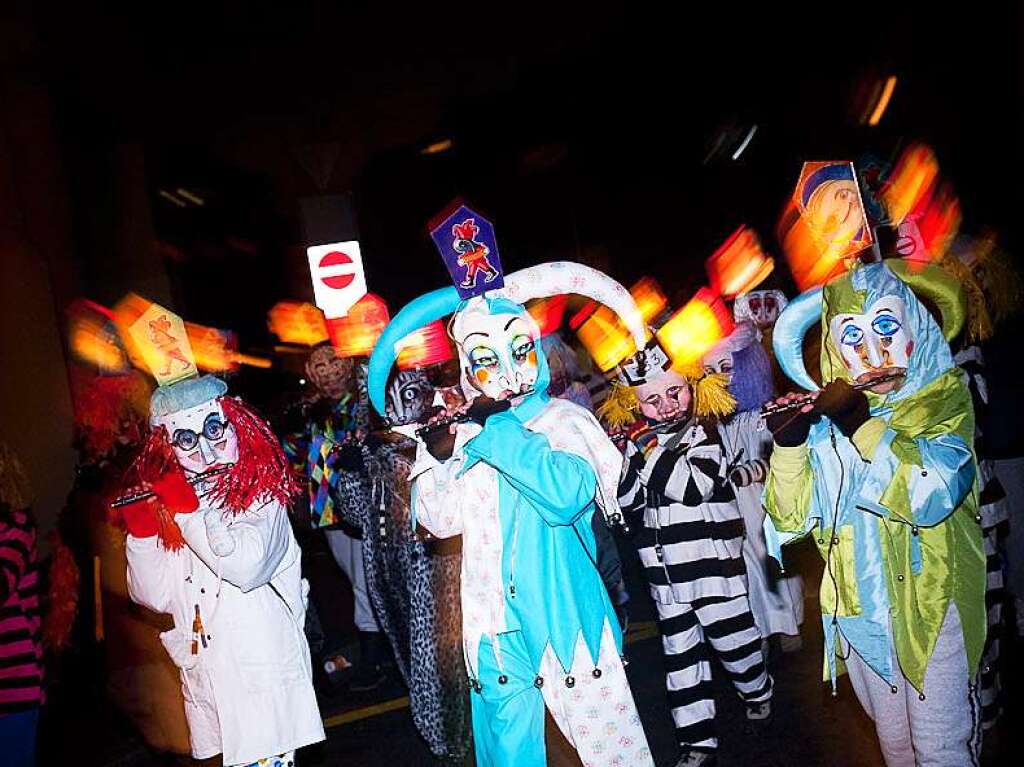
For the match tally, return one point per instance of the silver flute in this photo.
(444, 423)
(127, 500)
(773, 408)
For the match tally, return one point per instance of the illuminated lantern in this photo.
(214, 350)
(739, 265)
(355, 334)
(93, 337)
(606, 338)
(548, 313)
(297, 323)
(649, 298)
(427, 346)
(695, 328)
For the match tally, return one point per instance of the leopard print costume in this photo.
(415, 595)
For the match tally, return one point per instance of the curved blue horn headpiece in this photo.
(413, 316)
(788, 336)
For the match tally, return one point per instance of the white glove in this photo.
(217, 534)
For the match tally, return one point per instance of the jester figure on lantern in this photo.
(213, 548)
(879, 470)
(691, 542)
(520, 479)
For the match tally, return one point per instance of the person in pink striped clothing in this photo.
(21, 649)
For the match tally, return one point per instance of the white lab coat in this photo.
(249, 691)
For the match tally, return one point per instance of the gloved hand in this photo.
(846, 406)
(171, 492)
(748, 473)
(790, 428)
(221, 542)
(483, 407)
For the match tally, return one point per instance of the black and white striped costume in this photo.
(691, 548)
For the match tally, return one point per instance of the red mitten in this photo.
(175, 493)
(140, 518)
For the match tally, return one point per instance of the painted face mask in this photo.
(719, 362)
(665, 397)
(409, 397)
(499, 353)
(201, 436)
(329, 373)
(876, 342)
(761, 307)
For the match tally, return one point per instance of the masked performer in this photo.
(413, 588)
(690, 544)
(777, 603)
(217, 553)
(884, 480)
(520, 482)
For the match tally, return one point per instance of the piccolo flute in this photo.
(773, 408)
(127, 500)
(444, 423)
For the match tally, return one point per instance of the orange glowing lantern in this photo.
(297, 323)
(548, 313)
(915, 191)
(427, 346)
(606, 338)
(695, 328)
(93, 336)
(355, 334)
(649, 298)
(214, 350)
(739, 265)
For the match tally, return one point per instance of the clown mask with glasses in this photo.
(200, 434)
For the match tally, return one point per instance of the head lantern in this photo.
(872, 322)
(496, 338)
(744, 363)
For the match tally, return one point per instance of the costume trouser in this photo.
(595, 711)
(18, 737)
(689, 632)
(348, 553)
(1010, 472)
(941, 730)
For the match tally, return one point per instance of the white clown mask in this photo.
(665, 396)
(719, 362)
(876, 342)
(200, 436)
(761, 307)
(498, 352)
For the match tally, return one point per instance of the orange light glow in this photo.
(548, 313)
(297, 323)
(695, 328)
(916, 191)
(427, 346)
(806, 263)
(739, 265)
(93, 338)
(355, 334)
(649, 298)
(606, 338)
(883, 101)
(211, 348)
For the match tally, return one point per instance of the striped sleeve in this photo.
(632, 493)
(16, 545)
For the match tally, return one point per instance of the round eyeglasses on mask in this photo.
(214, 429)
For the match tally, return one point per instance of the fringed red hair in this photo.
(262, 473)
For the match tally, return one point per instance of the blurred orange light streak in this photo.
(883, 101)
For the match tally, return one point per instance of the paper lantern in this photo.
(739, 265)
(548, 313)
(649, 298)
(606, 338)
(355, 334)
(213, 349)
(93, 337)
(695, 328)
(297, 323)
(427, 346)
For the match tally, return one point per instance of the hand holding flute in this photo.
(791, 416)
